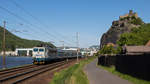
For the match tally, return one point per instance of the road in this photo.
(97, 75)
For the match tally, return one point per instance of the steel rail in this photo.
(41, 69)
(35, 74)
(16, 69)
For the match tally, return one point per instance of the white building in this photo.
(9, 53)
(92, 52)
(72, 49)
(88, 51)
(19, 52)
(24, 51)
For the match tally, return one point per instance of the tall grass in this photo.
(72, 75)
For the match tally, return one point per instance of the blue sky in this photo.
(59, 20)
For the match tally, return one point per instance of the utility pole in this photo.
(63, 44)
(4, 65)
(77, 38)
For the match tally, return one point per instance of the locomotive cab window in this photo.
(35, 49)
(41, 50)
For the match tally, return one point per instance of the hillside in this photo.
(13, 41)
(125, 24)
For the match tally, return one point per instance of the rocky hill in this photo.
(125, 24)
(13, 41)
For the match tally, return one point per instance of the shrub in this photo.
(110, 50)
(138, 36)
(136, 21)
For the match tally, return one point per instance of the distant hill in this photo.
(94, 46)
(13, 41)
(125, 24)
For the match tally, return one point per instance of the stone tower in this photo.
(130, 12)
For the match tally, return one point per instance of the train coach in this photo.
(43, 55)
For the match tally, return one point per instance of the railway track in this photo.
(4, 72)
(21, 74)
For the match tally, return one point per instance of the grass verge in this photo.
(124, 76)
(73, 74)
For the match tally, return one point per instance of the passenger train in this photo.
(43, 55)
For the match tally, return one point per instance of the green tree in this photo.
(109, 50)
(138, 36)
(136, 21)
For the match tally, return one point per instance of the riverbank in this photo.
(11, 61)
(73, 74)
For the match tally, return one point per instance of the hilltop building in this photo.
(130, 14)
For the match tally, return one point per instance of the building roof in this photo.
(137, 49)
(24, 48)
(148, 43)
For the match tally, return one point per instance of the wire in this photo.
(19, 17)
(35, 18)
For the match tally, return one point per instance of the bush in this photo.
(133, 20)
(138, 36)
(110, 50)
(136, 21)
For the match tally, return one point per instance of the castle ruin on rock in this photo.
(119, 27)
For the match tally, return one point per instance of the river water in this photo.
(15, 61)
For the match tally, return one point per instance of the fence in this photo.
(137, 65)
(134, 65)
(107, 60)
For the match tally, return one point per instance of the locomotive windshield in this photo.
(41, 50)
(35, 49)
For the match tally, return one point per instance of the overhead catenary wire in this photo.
(39, 21)
(7, 28)
(20, 18)
(27, 33)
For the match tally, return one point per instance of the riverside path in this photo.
(97, 75)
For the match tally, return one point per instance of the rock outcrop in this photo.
(119, 27)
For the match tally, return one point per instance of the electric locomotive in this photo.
(43, 55)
